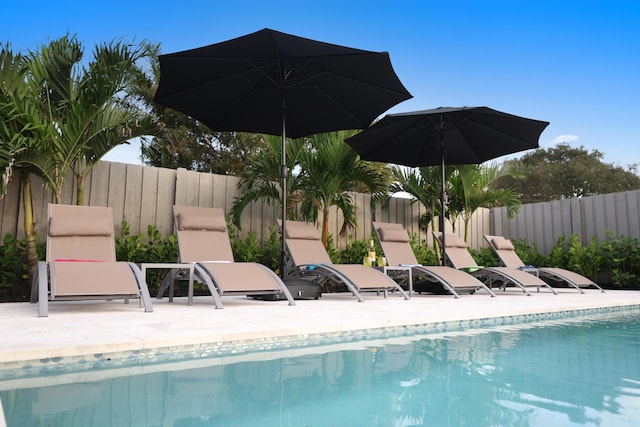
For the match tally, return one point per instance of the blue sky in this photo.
(575, 63)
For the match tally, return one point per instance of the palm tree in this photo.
(15, 126)
(22, 130)
(474, 186)
(424, 186)
(261, 178)
(469, 187)
(82, 103)
(59, 115)
(325, 171)
(330, 171)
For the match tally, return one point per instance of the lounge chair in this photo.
(461, 259)
(203, 239)
(81, 260)
(394, 241)
(508, 257)
(309, 259)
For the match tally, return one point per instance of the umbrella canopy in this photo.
(243, 84)
(279, 84)
(465, 135)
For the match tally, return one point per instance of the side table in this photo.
(172, 266)
(406, 268)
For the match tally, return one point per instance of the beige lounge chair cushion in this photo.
(394, 242)
(92, 278)
(302, 231)
(80, 233)
(201, 222)
(79, 226)
(393, 235)
(500, 243)
(241, 277)
(454, 241)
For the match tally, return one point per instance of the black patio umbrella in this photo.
(279, 84)
(446, 135)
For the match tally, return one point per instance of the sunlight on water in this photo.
(576, 373)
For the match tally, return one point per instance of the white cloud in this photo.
(565, 138)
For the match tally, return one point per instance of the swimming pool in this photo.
(564, 372)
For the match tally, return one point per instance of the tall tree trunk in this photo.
(467, 220)
(80, 190)
(29, 227)
(325, 227)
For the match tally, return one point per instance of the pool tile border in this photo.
(81, 363)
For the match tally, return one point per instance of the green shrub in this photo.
(152, 248)
(559, 254)
(621, 257)
(529, 254)
(161, 249)
(424, 254)
(14, 270)
(355, 252)
(484, 257)
(13, 262)
(271, 250)
(247, 249)
(333, 252)
(583, 259)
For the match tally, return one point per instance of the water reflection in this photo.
(575, 374)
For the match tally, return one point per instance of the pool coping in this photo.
(155, 355)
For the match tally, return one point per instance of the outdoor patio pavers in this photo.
(87, 328)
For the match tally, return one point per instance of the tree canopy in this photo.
(563, 172)
(175, 140)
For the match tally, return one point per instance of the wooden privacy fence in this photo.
(544, 223)
(142, 196)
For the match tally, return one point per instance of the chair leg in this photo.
(145, 298)
(42, 278)
(281, 284)
(204, 276)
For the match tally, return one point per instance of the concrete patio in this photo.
(74, 329)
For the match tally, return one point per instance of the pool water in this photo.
(580, 372)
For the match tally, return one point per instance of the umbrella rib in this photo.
(491, 129)
(323, 71)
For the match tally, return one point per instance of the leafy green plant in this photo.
(14, 270)
(559, 253)
(13, 267)
(152, 248)
(354, 252)
(484, 257)
(334, 253)
(583, 259)
(621, 256)
(529, 254)
(130, 247)
(424, 254)
(247, 249)
(271, 249)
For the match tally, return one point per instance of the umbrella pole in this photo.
(283, 176)
(443, 195)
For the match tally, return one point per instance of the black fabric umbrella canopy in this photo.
(446, 135)
(279, 84)
(244, 84)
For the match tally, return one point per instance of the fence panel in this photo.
(145, 195)
(544, 223)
